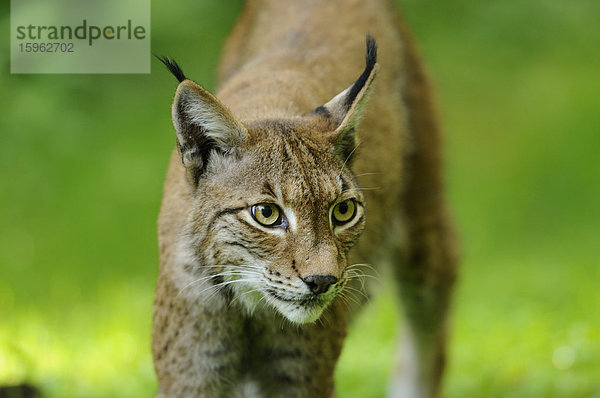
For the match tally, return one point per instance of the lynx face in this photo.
(275, 206)
(274, 221)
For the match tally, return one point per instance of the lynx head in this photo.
(276, 207)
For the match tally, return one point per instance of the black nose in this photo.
(319, 283)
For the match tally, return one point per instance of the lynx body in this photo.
(306, 165)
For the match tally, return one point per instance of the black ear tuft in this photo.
(172, 66)
(371, 57)
(371, 60)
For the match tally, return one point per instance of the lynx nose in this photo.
(319, 283)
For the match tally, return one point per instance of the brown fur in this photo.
(282, 60)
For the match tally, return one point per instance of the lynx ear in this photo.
(203, 126)
(344, 110)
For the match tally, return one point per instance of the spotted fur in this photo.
(302, 122)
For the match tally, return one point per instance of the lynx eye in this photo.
(267, 214)
(344, 212)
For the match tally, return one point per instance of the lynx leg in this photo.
(196, 348)
(426, 267)
(425, 273)
(299, 361)
(426, 279)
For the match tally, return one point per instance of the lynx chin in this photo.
(316, 161)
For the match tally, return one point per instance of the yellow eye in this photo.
(267, 214)
(344, 212)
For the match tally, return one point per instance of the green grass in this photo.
(82, 159)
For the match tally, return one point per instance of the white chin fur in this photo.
(296, 313)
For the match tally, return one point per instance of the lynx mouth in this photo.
(311, 300)
(299, 310)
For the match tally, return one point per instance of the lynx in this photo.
(308, 167)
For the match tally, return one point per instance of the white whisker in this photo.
(367, 174)
(358, 265)
(350, 297)
(358, 291)
(347, 158)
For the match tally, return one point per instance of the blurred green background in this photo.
(82, 161)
